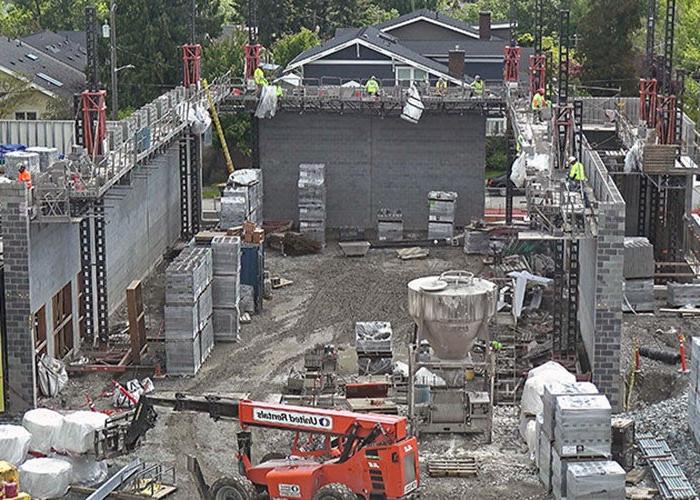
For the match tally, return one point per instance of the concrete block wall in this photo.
(373, 162)
(142, 221)
(20, 381)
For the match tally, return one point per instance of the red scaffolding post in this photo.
(666, 119)
(511, 66)
(647, 101)
(192, 64)
(252, 58)
(538, 71)
(94, 108)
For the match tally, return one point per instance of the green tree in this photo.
(606, 44)
(289, 46)
(13, 92)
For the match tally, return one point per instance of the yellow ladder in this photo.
(219, 129)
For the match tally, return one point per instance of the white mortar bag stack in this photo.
(45, 477)
(78, 431)
(45, 426)
(14, 443)
(52, 376)
(531, 402)
(85, 470)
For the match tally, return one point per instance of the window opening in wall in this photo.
(405, 75)
(40, 331)
(63, 322)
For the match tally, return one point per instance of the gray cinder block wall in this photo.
(142, 221)
(20, 381)
(374, 162)
(600, 289)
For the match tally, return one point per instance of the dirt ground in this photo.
(328, 295)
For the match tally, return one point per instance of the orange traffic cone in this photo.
(681, 352)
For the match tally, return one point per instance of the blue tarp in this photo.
(9, 148)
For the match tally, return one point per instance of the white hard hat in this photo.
(477, 77)
(572, 159)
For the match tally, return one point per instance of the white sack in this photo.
(518, 172)
(52, 376)
(267, 105)
(45, 426)
(78, 431)
(85, 470)
(531, 402)
(425, 377)
(45, 477)
(14, 443)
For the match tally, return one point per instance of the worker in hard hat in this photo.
(538, 104)
(477, 87)
(577, 174)
(24, 176)
(259, 77)
(441, 86)
(372, 86)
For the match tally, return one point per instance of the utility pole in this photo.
(193, 16)
(113, 56)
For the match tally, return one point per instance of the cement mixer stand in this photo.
(450, 312)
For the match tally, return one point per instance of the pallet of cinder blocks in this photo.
(638, 272)
(389, 225)
(694, 389)
(242, 199)
(441, 214)
(189, 334)
(312, 201)
(683, 294)
(226, 287)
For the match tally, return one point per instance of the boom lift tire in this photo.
(335, 491)
(232, 488)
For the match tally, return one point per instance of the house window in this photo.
(405, 75)
(63, 321)
(25, 115)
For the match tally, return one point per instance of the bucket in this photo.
(413, 110)
(469, 375)
(421, 394)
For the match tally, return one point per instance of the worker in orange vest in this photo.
(24, 176)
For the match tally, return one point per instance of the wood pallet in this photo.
(452, 467)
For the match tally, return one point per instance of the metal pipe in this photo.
(113, 57)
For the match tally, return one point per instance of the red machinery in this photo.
(94, 120)
(511, 63)
(538, 71)
(335, 455)
(191, 64)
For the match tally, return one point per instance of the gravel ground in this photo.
(329, 294)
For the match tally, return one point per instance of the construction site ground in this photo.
(328, 295)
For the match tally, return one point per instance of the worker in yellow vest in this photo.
(477, 87)
(372, 86)
(441, 86)
(577, 173)
(259, 77)
(538, 103)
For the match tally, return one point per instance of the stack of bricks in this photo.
(694, 390)
(312, 201)
(252, 234)
(226, 287)
(242, 199)
(189, 330)
(441, 217)
(639, 275)
(683, 294)
(389, 225)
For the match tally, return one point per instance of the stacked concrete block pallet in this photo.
(595, 481)
(226, 283)
(389, 225)
(242, 199)
(373, 343)
(442, 208)
(312, 201)
(638, 272)
(683, 294)
(694, 390)
(47, 156)
(189, 331)
(477, 242)
(574, 427)
(16, 158)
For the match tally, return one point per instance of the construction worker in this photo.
(259, 77)
(24, 176)
(538, 103)
(441, 86)
(477, 87)
(372, 86)
(577, 174)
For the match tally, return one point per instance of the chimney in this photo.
(485, 25)
(456, 63)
